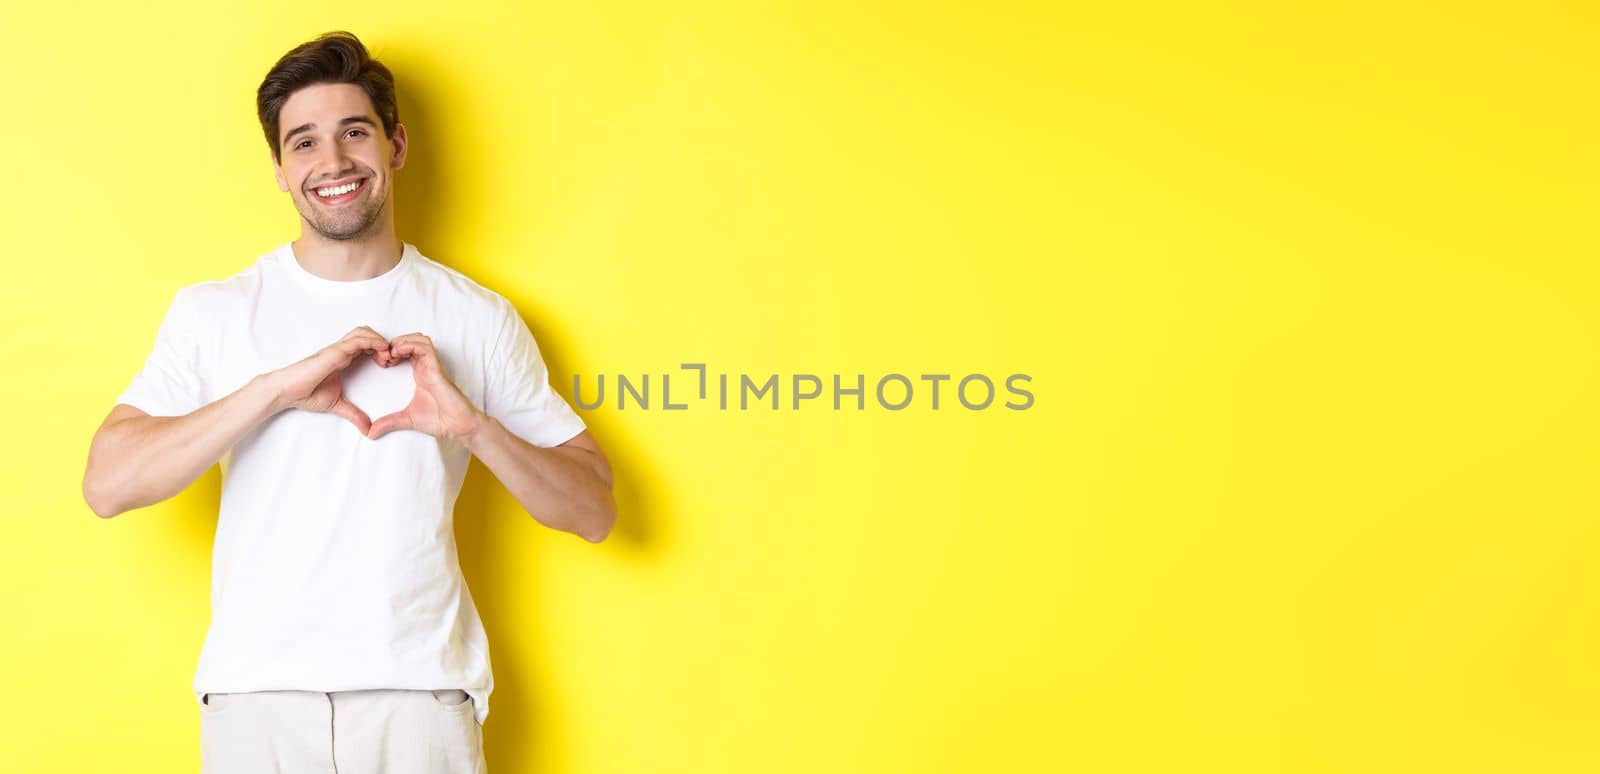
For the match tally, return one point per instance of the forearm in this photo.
(559, 486)
(143, 460)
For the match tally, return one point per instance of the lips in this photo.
(334, 201)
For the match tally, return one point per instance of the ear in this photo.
(277, 172)
(401, 145)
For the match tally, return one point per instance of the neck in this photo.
(347, 260)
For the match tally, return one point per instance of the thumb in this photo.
(399, 420)
(349, 411)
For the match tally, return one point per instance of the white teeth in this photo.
(343, 189)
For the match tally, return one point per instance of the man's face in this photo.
(329, 137)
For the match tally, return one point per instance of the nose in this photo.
(334, 164)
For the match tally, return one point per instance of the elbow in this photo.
(599, 525)
(102, 507)
(95, 488)
(599, 534)
(591, 524)
(607, 517)
(104, 493)
(110, 487)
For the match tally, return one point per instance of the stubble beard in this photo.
(346, 222)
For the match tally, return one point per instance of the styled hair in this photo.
(334, 57)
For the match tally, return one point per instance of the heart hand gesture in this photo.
(316, 383)
(437, 408)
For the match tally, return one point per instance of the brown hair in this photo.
(334, 57)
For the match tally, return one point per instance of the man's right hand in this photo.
(316, 383)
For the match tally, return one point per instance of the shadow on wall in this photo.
(425, 218)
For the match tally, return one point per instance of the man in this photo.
(343, 636)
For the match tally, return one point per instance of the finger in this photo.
(350, 349)
(356, 344)
(412, 338)
(344, 351)
(413, 348)
(399, 420)
(350, 412)
(339, 361)
(422, 358)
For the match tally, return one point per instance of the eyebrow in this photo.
(346, 121)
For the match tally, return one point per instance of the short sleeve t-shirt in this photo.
(334, 566)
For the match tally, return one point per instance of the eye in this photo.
(359, 131)
(301, 144)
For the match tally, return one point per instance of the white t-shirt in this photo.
(335, 565)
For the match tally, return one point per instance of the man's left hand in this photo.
(437, 408)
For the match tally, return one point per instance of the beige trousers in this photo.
(383, 731)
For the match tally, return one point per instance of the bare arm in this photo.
(137, 460)
(566, 487)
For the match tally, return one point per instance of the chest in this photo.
(270, 333)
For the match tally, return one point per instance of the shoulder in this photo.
(210, 299)
(238, 286)
(469, 297)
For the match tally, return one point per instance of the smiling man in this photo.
(344, 381)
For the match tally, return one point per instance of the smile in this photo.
(339, 194)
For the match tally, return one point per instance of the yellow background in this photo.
(1307, 295)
